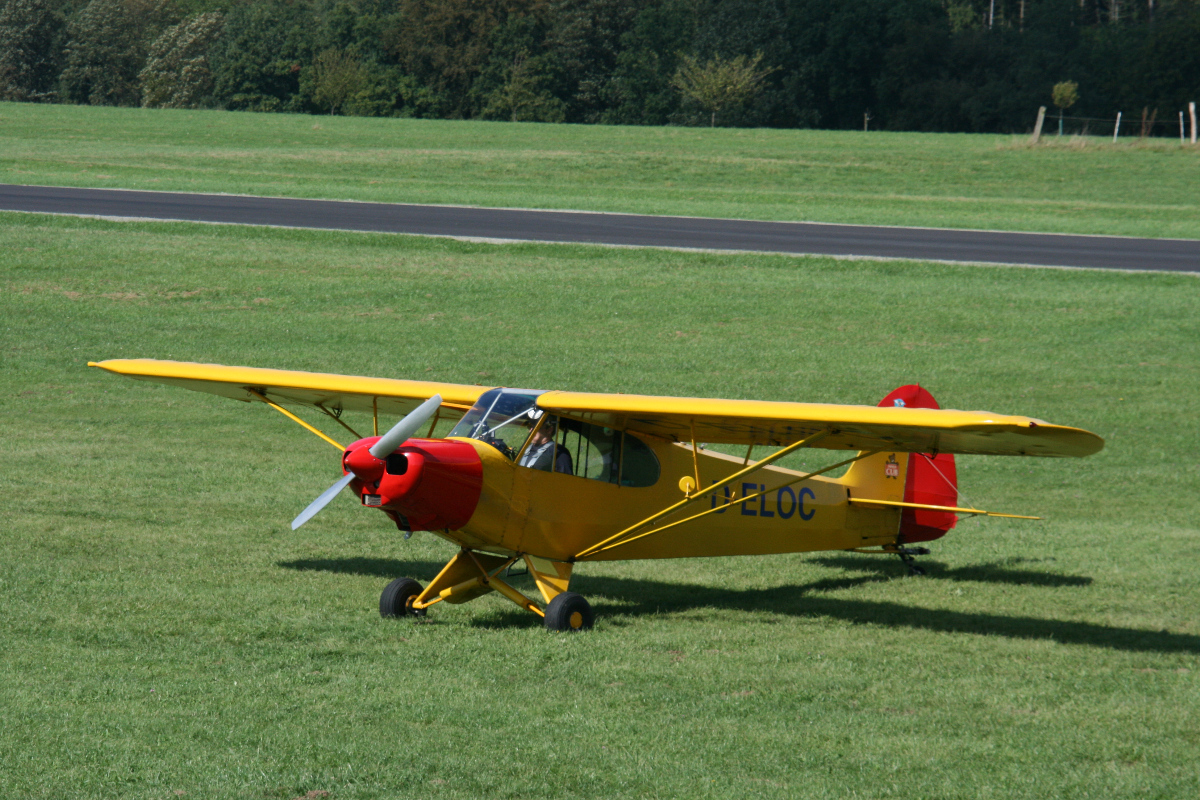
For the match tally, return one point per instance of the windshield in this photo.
(502, 418)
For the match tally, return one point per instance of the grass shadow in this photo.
(507, 617)
(375, 567)
(997, 572)
(625, 596)
(639, 597)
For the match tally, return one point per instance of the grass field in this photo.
(957, 181)
(165, 634)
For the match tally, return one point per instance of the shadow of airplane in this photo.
(375, 567)
(996, 572)
(619, 597)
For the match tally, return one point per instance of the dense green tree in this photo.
(107, 42)
(257, 63)
(517, 65)
(719, 83)
(446, 44)
(338, 76)
(939, 65)
(29, 32)
(525, 95)
(177, 72)
(584, 44)
(729, 28)
(640, 91)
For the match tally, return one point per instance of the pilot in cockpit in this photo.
(543, 452)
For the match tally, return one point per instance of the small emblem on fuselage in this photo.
(892, 469)
(898, 403)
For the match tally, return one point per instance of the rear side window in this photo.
(604, 454)
(639, 465)
(595, 451)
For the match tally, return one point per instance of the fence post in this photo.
(1037, 129)
(1117, 127)
(1181, 139)
(1192, 113)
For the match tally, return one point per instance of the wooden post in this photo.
(1181, 137)
(867, 118)
(1117, 127)
(1037, 129)
(1192, 113)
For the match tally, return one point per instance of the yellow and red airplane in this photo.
(556, 478)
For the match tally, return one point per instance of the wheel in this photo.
(568, 612)
(397, 598)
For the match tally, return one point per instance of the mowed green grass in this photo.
(956, 181)
(165, 634)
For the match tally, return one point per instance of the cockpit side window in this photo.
(504, 419)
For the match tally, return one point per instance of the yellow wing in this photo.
(334, 393)
(920, 430)
(675, 418)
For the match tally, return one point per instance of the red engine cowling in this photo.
(427, 484)
(931, 480)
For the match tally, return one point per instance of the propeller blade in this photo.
(387, 444)
(405, 428)
(322, 501)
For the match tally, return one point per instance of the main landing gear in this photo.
(568, 612)
(470, 574)
(397, 599)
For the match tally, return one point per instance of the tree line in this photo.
(925, 65)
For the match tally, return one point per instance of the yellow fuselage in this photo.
(558, 516)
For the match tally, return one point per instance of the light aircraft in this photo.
(556, 478)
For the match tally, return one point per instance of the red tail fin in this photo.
(930, 479)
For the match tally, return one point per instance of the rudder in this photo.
(929, 479)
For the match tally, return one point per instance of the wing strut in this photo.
(622, 537)
(294, 418)
(338, 419)
(726, 505)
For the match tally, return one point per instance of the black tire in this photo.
(569, 612)
(396, 600)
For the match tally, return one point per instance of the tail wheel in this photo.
(569, 612)
(398, 597)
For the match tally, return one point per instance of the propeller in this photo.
(322, 501)
(401, 432)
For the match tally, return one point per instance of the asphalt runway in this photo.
(933, 244)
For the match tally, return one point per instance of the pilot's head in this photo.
(546, 432)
